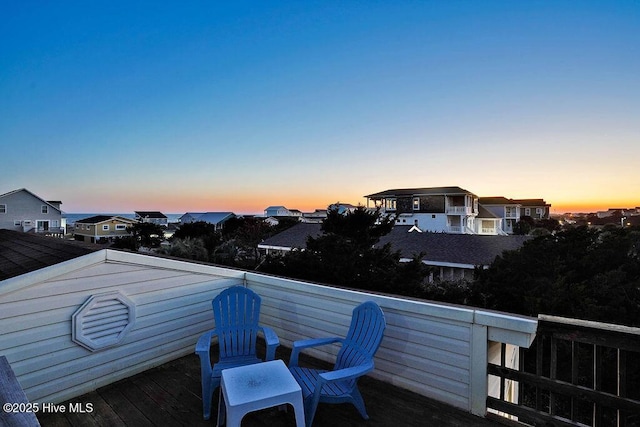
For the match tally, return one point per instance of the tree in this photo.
(580, 273)
(346, 254)
(204, 231)
(142, 234)
(147, 234)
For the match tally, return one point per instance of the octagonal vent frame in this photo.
(103, 321)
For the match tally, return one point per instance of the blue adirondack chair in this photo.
(354, 360)
(236, 312)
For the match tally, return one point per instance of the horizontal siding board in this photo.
(75, 361)
(76, 298)
(392, 347)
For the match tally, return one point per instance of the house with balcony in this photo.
(535, 208)
(102, 228)
(508, 210)
(436, 209)
(92, 327)
(22, 210)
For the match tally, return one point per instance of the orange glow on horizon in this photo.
(591, 206)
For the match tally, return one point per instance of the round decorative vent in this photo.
(103, 321)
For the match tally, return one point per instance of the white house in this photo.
(437, 209)
(277, 211)
(506, 209)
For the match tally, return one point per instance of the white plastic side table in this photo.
(259, 386)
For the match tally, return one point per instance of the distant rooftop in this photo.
(150, 214)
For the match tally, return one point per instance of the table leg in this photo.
(221, 409)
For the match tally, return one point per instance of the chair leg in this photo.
(310, 406)
(208, 386)
(358, 402)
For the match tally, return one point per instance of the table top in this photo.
(256, 382)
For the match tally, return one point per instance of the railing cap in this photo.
(589, 324)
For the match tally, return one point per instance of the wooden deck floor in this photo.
(169, 396)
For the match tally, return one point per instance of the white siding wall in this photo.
(173, 307)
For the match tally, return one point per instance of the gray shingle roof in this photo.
(22, 253)
(295, 236)
(419, 192)
(466, 249)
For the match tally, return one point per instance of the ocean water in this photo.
(73, 217)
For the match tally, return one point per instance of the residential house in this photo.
(317, 216)
(535, 208)
(292, 238)
(506, 209)
(437, 209)
(216, 218)
(320, 215)
(152, 217)
(22, 210)
(453, 255)
(190, 217)
(102, 228)
(488, 223)
(277, 211)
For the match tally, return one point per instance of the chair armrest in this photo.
(300, 345)
(347, 373)
(271, 340)
(203, 347)
(204, 342)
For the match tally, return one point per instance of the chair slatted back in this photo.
(364, 336)
(236, 312)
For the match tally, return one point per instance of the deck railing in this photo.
(459, 210)
(576, 373)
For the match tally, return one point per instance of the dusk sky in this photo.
(234, 106)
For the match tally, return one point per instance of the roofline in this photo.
(34, 195)
(16, 283)
(446, 264)
(278, 248)
(132, 221)
(420, 191)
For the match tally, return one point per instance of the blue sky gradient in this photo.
(235, 106)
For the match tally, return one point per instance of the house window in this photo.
(390, 204)
(539, 211)
(16, 222)
(45, 209)
(527, 211)
(121, 227)
(105, 227)
(416, 203)
(3, 209)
